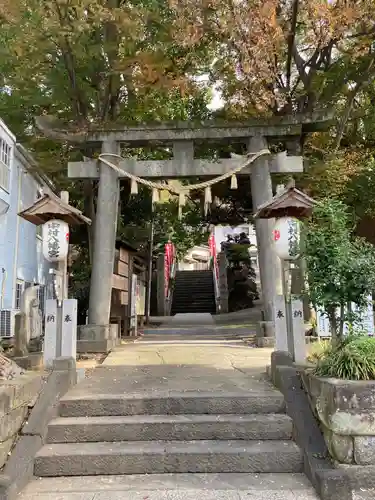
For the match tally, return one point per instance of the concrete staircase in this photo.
(193, 293)
(186, 432)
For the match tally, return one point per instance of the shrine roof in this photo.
(289, 203)
(50, 207)
(121, 243)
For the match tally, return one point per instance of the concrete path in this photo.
(161, 368)
(191, 319)
(250, 315)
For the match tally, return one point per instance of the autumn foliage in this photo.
(275, 56)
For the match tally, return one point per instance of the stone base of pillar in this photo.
(98, 332)
(265, 341)
(96, 346)
(265, 334)
(97, 338)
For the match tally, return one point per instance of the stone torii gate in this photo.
(181, 137)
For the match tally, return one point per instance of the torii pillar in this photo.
(104, 247)
(261, 192)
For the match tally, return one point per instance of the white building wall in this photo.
(21, 259)
(8, 195)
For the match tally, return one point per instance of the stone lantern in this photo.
(56, 215)
(288, 207)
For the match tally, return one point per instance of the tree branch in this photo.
(114, 81)
(291, 42)
(81, 108)
(350, 103)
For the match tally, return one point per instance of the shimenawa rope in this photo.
(182, 191)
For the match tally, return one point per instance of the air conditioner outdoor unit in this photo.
(7, 322)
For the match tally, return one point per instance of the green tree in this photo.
(137, 214)
(340, 266)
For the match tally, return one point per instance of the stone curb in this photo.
(19, 469)
(330, 483)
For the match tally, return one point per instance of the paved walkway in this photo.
(152, 366)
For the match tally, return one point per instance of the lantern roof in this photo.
(291, 202)
(51, 207)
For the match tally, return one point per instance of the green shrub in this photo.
(319, 350)
(364, 344)
(351, 359)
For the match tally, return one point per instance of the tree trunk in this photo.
(341, 326)
(333, 324)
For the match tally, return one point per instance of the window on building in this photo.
(5, 153)
(28, 284)
(19, 291)
(6, 327)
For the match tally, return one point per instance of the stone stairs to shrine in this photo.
(193, 293)
(175, 432)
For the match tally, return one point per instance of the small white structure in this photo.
(198, 258)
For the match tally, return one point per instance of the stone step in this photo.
(173, 486)
(139, 457)
(170, 428)
(193, 288)
(187, 299)
(177, 310)
(201, 294)
(190, 300)
(194, 273)
(205, 282)
(185, 403)
(200, 284)
(192, 281)
(193, 304)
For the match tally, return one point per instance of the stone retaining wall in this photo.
(27, 404)
(16, 398)
(346, 410)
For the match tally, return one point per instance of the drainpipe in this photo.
(15, 260)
